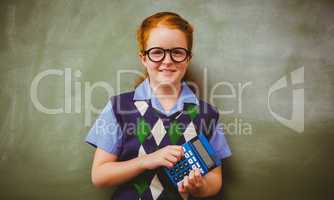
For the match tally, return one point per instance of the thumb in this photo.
(181, 187)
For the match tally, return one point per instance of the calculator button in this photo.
(194, 158)
(198, 165)
(186, 155)
(190, 161)
(190, 152)
(193, 166)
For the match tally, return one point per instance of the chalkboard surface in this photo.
(267, 65)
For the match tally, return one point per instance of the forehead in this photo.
(166, 38)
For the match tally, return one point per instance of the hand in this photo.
(167, 156)
(192, 183)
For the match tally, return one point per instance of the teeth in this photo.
(165, 70)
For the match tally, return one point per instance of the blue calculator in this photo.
(198, 153)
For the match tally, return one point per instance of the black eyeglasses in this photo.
(158, 54)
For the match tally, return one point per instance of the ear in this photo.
(142, 58)
(189, 58)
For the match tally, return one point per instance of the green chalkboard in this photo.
(267, 65)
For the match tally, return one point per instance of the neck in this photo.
(166, 91)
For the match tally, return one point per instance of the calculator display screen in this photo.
(203, 153)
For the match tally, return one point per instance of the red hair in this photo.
(167, 19)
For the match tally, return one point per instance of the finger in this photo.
(198, 177)
(191, 184)
(186, 183)
(177, 148)
(181, 150)
(197, 173)
(191, 176)
(176, 154)
(167, 163)
(171, 151)
(171, 158)
(192, 180)
(181, 187)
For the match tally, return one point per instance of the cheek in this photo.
(183, 67)
(152, 65)
(152, 68)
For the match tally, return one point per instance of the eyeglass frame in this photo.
(188, 54)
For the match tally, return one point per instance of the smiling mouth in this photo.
(167, 70)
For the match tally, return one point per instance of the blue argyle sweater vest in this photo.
(146, 130)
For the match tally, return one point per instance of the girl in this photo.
(140, 131)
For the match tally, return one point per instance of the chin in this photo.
(165, 80)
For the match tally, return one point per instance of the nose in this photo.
(167, 59)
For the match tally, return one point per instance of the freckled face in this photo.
(167, 71)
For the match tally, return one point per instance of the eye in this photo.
(156, 52)
(179, 52)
